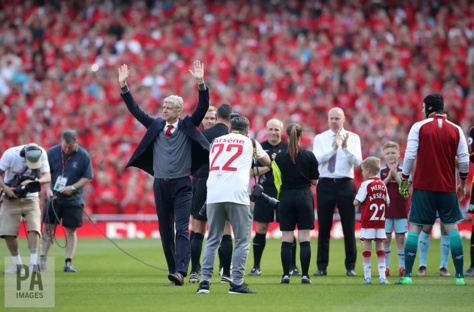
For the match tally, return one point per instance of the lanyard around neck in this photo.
(64, 162)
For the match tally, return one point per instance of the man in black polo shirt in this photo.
(71, 171)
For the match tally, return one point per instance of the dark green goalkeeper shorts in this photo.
(426, 204)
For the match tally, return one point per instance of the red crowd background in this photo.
(291, 60)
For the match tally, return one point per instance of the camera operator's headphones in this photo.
(29, 147)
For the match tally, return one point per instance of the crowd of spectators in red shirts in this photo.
(289, 59)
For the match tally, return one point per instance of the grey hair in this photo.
(176, 100)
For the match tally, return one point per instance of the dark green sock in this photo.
(457, 251)
(411, 246)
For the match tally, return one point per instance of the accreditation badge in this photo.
(60, 183)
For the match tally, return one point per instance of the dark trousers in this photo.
(173, 199)
(329, 194)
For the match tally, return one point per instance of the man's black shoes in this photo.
(320, 273)
(177, 278)
(241, 289)
(203, 287)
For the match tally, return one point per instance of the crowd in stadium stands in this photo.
(287, 59)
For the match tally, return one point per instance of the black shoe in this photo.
(203, 288)
(285, 279)
(469, 272)
(351, 273)
(255, 272)
(305, 280)
(320, 273)
(294, 271)
(68, 267)
(177, 278)
(225, 279)
(194, 277)
(241, 289)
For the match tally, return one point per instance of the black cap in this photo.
(433, 103)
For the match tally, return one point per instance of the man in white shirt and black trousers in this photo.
(338, 151)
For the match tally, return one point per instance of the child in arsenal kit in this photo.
(373, 199)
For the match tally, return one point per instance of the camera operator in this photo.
(262, 213)
(71, 171)
(299, 170)
(23, 169)
(230, 162)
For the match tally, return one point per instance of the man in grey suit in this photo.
(170, 151)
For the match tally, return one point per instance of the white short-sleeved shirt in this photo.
(230, 161)
(13, 164)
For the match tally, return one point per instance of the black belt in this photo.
(169, 180)
(336, 180)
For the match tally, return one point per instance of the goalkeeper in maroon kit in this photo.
(435, 142)
(470, 271)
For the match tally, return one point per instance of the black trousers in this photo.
(332, 193)
(173, 199)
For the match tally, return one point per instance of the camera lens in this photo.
(269, 201)
(258, 194)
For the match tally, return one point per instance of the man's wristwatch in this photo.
(73, 188)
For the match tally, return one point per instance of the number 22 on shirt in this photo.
(224, 155)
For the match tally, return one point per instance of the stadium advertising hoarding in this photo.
(149, 229)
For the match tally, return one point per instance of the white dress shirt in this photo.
(346, 158)
(175, 126)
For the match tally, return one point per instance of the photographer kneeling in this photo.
(299, 170)
(23, 169)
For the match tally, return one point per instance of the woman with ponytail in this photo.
(299, 170)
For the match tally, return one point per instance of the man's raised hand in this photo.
(198, 72)
(123, 75)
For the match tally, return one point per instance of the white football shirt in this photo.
(230, 161)
(13, 164)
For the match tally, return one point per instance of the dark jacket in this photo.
(215, 131)
(143, 156)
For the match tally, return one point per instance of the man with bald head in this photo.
(263, 215)
(338, 151)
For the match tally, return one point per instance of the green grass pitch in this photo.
(109, 280)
